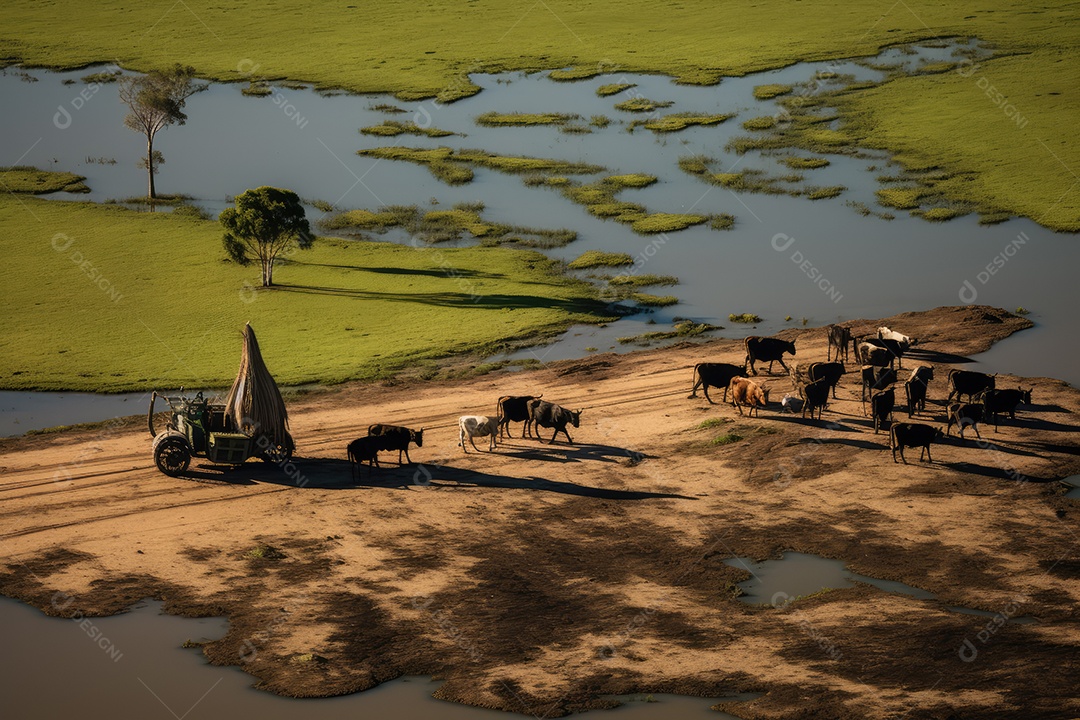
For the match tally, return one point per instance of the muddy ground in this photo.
(539, 577)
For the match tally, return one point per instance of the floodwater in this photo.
(862, 266)
(777, 582)
(134, 666)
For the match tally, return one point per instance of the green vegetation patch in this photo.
(822, 193)
(901, 198)
(726, 439)
(257, 88)
(30, 180)
(797, 162)
(759, 123)
(641, 104)
(391, 128)
(102, 78)
(91, 303)
(613, 88)
(767, 92)
(575, 73)
(682, 329)
(645, 280)
(597, 258)
(680, 121)
(647, 300)
(747, 318)
(939, 214)
(452, 166)
(495, 119)
(632, 180)
(666, 222)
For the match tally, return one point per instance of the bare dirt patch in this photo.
(540, 577)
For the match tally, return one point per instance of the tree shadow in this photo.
(936, 356)
(435, 272)
(457, 299)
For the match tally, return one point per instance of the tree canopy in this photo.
(265, 222)
(156, 100)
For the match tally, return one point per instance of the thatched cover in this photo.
(254, 402)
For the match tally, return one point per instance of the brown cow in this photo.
(747, 392)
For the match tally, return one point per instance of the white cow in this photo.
(474, 426)
(885, 333)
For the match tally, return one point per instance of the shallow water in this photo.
(133, 666)
(868, 267)
(795, 574)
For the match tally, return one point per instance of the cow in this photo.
(747, 392)
(894, 348)
(868, 353)
(968, 382)
(817, 397)
(549, 415)
(474, 426)
(766, 349)
(885, 333)
(716, 375)
(881, 407)
(514, 408)
(831, 372)
(965, 415)
(365, 449)
(839, 338)
(875, 378)
(1003, 401)
(395, 437)
(915, 388)
(904, 434)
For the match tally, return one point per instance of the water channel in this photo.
(307, 141)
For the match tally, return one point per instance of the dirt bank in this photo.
(541, 576)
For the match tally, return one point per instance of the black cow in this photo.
(395, 437)
(839, 338)
(766, 349)
(965, 415)
(903, 434)
(549, 415)
(895, 348)
(817, 397)
(716, 375)
(1003, 401)
(365, 449)
(968, 382)
(881, 407)
(875, 378)
(830, 372)
(915, 388)
(514, 408)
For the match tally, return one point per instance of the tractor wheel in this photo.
(278, 454)
(172, 456)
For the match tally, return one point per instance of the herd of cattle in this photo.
(814, 384)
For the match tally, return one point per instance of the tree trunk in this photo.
(150, 166)
(267, 272)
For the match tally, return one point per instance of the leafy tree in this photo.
(156, 100)
(265, 222)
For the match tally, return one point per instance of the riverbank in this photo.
(539, 577)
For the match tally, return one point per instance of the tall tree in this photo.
(156, 100)
(265, 222)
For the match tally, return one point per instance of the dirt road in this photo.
(539, 577)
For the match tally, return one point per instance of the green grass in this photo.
(722, 221)
(766, 92)
(821, 193)
(390, 128)
(575, 73)
(642, 105)
(747, 318)
(796, 162)
(613, 88)
(596, 259)
(102, 77)
(713, 423)
(727, 439)
(453, 167)
(632, 180)
(648, 300)
(31, 181)
(495, 119)
(134, 301)
(666, 222)
(682, 329)
(901, 198)
(257, 88)
(939, 214)
(645, 280)
(759, 123)
(680, 121)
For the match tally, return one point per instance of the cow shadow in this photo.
(936, 356)
(986, 443)
(823, 423)
(564, 453)
(851, 442)
(998, 473)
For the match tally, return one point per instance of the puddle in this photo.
(221, 151)
(134, 665)
(1074, 481)
(797, 574)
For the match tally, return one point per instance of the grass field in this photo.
(106, 299)
(944, 119)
